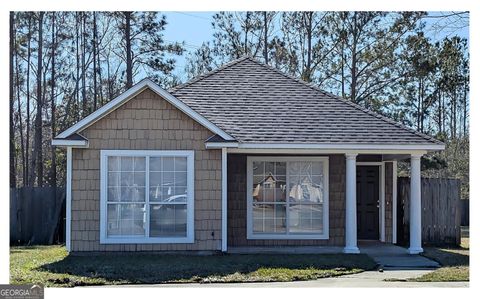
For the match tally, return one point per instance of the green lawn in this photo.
(53, 267)
(454, 261)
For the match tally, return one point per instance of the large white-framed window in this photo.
(146, 196)
(287, 197)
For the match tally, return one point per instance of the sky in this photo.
(194, 28)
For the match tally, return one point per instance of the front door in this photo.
(368, 202)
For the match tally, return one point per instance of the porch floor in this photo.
(390, 256)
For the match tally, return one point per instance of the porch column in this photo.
(224, 199)
(351, 205)
(415, 206)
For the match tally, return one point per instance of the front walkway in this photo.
(390, 256)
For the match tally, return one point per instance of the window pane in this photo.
(155, 179)
(113, 163)
(113, 179)
(125, 219)
(139, 163)
(180, 179)
(180, 164)
(317, 168)
(126, 163)
(139, 179)
(306, 218)
(304, 186)
(168, 178)
(180, 194)
(156, 193)
(299, 168)
(114, 194)
(168, 220)
(168, 164)
(126, 178)
(132, 193)
(258, 168)
(269, 193)
(280, 188)
(280, 168)
(257, 192)
(269, 218)
(269, 169)
(305, 191)
(155, 164)
(168, 194)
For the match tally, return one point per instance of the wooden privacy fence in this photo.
(37, 215)
(440, 211)
(465, 208)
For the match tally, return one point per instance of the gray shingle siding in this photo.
(255, 103)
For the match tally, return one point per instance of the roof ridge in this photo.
(208, 74)
(358, 107)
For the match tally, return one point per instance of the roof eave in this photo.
(328, 146)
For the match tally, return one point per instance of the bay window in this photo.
(146, 196)
(287, 197)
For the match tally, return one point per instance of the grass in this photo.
(454, 261)
(53, 267)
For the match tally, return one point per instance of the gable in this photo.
(126, 97)
(146, 121)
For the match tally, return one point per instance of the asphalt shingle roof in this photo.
(255, 103)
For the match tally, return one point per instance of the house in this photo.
(182, 170)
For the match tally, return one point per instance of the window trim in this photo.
(292, 236)
(189, 238)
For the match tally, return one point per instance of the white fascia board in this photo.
(220, 145)
(70, 143)
(362, 146)
(321, 151)
(341, 148)
(130, 93)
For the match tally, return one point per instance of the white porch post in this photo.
(351, 205)
(68, 208)
(224, 199)
(415, 206)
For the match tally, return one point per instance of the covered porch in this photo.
(361, 201)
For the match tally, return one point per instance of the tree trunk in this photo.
(84, 68)
(20, 118)
(440, 112)
(29, 170)
(245, 38)
(94, 61)
(342, 50)
(308, 68)
(465, 130)
(265, 37)
(38, 157)
(13, 180)
(353, 87)
(77, 78)
(53, 170)
(99, 68)
(128, 49)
